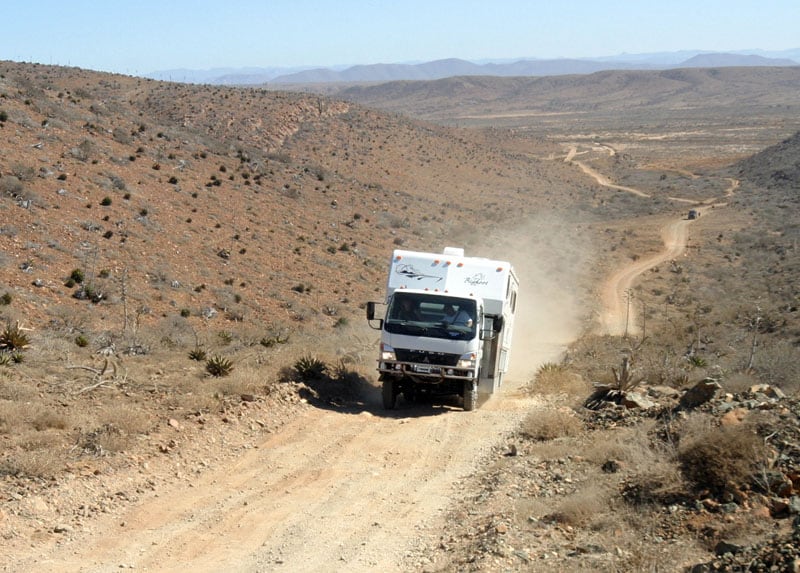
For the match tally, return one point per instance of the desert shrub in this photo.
(552, 378)
(310, 368)
(126, 420)
(197, 354)
(738, 382)
(3, 116)
(77, 276)
(13, 338)
(81, 341)
(248, 380)
(43, 418)
(105, 201)
(11, 185)
(219, 366)
(36, 463)
(6, 299)
(581, 507)
(270, 341)
(551, 423)
(719, 458)
(11, 416)
(657, 482)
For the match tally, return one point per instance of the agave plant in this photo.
(310, 368)
(219, 366)
(13, 338)
(197, 354)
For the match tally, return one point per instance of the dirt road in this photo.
(618, 317)
(333, 490)
(618, 314)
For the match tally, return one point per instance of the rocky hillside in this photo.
(123, 197)
(777, 166)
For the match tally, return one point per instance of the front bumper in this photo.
(429, 373)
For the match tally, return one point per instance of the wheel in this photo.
(470, 396)
(389, 395)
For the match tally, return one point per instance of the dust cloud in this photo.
(550, 255)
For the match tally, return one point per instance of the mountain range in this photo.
(451, 67)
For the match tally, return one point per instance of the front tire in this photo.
(389, 395)
(470, 395)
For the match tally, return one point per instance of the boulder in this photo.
(702, 392)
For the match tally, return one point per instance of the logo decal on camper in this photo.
(478, 279)
(412, 273)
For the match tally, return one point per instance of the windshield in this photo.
(419, 314)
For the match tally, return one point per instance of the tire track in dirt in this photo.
(617, 317)
(331, 491)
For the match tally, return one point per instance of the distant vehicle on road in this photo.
(693, 214)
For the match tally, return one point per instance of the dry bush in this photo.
(16, 416)
(40, 463)
(630, 446)
(43, 417)
(660, 482)
(553, 379)
(778, 363)
(31, 453)
(243, 380)
(11, 416)
(719, 458)
(549, 423)
(739, 382)
(582, 506)
(127, 418)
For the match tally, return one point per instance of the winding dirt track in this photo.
(617, 316)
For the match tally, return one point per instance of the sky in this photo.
(137, 37)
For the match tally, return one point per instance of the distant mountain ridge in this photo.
(451, 67)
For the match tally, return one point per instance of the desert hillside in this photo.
(185, 357)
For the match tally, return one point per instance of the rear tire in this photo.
(470, 396)
(389, 395)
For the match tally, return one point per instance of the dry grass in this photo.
(551, 423)
(129, 419)
(581, 507)
(40, 454)
(719, 458)
(557, 380)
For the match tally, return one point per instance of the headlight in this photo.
(387, 352)
(467, 360)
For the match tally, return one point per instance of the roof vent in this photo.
(454, 251)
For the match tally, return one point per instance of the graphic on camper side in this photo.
(410, 272)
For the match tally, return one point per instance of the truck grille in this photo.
(426, 357)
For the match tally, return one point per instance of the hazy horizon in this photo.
(150, 36)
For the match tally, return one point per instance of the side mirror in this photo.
(497, 324)
(371, 317)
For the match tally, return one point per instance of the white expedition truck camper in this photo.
(448, 325)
